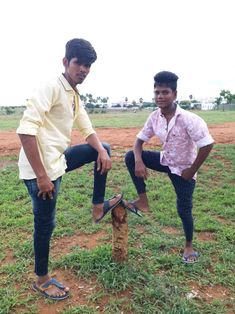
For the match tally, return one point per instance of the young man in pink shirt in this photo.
(186, 143)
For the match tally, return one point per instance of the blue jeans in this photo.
(44, 210)
(183, 188)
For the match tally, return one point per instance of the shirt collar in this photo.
(66, 84)
(178, 111)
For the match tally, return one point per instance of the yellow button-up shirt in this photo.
(49, 116)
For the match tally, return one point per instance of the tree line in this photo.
(226, 97)
(225, 100)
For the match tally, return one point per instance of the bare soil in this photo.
(117, 138)
(209, 293)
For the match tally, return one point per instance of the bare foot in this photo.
(142, 202)
(141, 205)
(97, 211)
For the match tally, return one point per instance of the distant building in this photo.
(207, 103)
(124, 104)
(207, 106)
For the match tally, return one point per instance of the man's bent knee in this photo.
(129, 157)
(107, 147)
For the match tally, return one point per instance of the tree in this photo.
(185, 104)
(84, 99)
(218, 101)
(9, 110)
(227, 96)
(104, 100)
(149, 105)
(90, 98)
(90, 106)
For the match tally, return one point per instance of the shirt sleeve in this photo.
(198, 131)
(83, 122)
(147, 131)
(36, 108)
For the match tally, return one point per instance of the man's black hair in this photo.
(81, 49)
(166, 78)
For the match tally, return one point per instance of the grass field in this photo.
(153, 280)
(126, 119)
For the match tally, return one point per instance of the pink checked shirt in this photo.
(180, 139)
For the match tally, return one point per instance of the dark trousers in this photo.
(183, 188)
(44, 210)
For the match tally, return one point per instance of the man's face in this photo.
(75, 72)
(164, 96)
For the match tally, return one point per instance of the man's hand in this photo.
(203, 152)
(46, 187)
(104, 163)
(141, 170)
(187, 174)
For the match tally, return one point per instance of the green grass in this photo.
(126, 119)
(153, 280)
(8, 123)
(216, 117)
(131, 119)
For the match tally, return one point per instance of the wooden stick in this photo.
(120, 234)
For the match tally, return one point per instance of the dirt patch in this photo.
(140, 229)
(226, 164)
(170, 230)
(64, 245)
(80, 291)
(176, 250)
(221, 220)
(5, 163)
(80, 295)
(118, 138)
(209, 293)
(206, 236)
(223, 133)
(8, 259)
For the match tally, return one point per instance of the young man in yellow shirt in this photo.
(45, 132)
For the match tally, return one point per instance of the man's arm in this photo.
(104, 163)
(140, 169)
(29, 143)
(203, 153)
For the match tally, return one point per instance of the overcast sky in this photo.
(134, 40)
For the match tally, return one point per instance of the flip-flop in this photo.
(107, 208)
(186, 258)
(134, 209)
(50, 283)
